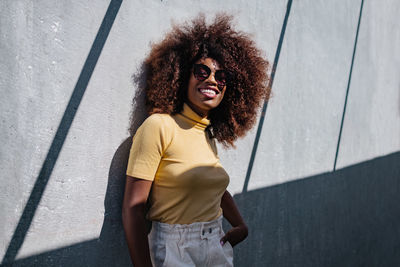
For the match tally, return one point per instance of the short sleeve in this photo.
(148, 145)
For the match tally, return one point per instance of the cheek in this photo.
(192, 84)
(191, 90)
(189, 87)
(223, 93)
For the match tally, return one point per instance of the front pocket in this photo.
(227, 247)
(158, 248)
(166, 258)
(221, 255)
(228, 250)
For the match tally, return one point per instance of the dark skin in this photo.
(137, 190)
(239, 230)
(134, 221)
(133, 218)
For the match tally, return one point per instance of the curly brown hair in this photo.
(169, 64)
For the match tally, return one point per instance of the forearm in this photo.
(230, 211)
(134, 222)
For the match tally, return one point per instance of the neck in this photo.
(200, 112)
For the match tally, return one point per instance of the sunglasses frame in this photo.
(217, 77)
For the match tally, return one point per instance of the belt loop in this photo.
(179, 234)
(202, 231)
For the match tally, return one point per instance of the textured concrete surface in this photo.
(345, 218)
(66, 82)
(372, 122)
(302, 124)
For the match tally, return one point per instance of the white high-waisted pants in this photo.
(196, 244)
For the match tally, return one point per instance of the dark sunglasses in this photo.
(202, 72)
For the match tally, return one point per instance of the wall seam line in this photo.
(265, 105)
(348, 86)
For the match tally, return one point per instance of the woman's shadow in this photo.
(110, 248)
(113, 248)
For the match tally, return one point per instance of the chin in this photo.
(209, 106)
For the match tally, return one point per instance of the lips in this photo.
(209, 92)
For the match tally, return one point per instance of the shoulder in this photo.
(158, 124)
(158, 121)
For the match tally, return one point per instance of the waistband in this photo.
(193, 230)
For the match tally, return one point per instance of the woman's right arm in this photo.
(134, 221)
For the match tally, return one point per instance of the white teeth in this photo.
(208, 91)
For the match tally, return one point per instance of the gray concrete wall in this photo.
(321, 189)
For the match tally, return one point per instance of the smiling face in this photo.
(204, 95)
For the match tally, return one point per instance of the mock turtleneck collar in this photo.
(195, 118)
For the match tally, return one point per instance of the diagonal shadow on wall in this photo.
(344, 218)
(61, 134)
(110, 248)
(348, 85)
(349, 217)
(265, 105)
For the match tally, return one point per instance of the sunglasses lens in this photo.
(221, 77)
(201, 72)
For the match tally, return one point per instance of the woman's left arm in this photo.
(239, 229)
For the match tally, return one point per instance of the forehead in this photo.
(209, 62)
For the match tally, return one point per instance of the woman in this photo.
(204, 84)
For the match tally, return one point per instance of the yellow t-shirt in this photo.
(176, 153)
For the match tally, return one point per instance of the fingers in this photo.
(234, 236)
(223, 240)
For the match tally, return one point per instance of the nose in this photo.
(211, 78)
